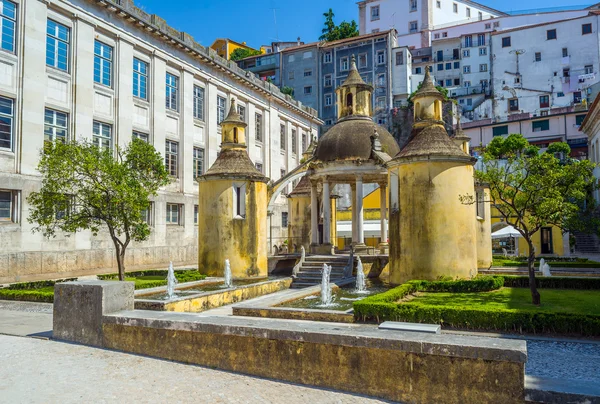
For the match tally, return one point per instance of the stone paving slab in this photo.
(80, 374)
(26, 319)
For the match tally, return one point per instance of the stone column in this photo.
(353, 202)
(383, 246)
(326, 213)
(360, 231)
(314, 215)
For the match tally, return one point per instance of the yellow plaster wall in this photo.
(221, 236)
(557, 238)
(435, 233)
(229, 47)
(484, 233)
(299, 231)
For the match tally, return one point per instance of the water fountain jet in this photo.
(361, 283)
(228, 281)
(325, 286)
(171, 281)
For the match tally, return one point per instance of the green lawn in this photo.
(519, 299)
(507, 262)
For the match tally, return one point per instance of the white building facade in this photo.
(112, 72)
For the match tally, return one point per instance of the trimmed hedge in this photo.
(386, 307)
(148, 272)
(553, 282)
(557, 264)
(45, 295)
(547, 259)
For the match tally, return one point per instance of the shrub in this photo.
(45, 295)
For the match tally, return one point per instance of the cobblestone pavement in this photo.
(564, 360)
(29, 307)
(40, 371)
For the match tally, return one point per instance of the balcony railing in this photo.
(464, 91)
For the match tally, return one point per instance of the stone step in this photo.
(319, 277)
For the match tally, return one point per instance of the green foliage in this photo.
(553, 282)
(560, 264)
(566, 314)
(287, 90)
(86, 188)
(45, 294)
(332, 32)
(242, 53)
(532, 190)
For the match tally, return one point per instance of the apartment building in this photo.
(113, 72)
(300, 65)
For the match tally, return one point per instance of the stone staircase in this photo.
(586, 243)
(309, 273)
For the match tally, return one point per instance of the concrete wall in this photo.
(33, 87)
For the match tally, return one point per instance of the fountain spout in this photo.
(171, 281)
(361, 283)
(325, 286)
(228, 280)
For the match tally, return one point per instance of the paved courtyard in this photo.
(42, 371)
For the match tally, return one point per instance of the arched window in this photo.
(349, 103)
(235, 135)
(417, 111)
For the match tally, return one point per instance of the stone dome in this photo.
(350, 139)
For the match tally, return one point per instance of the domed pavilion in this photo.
(354, 151)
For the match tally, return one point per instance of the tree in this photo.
(86, 188)
(531, 190)
(242, 53)
(287, 90)
(331, 32)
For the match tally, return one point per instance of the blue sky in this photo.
(253, 20)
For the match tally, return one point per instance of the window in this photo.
(480, 15)
(282, 137)
(241, 110)
(413, 26)
(239, 201)
(560, 94)
(468, 41)
(148, 214)
(483, 67)
(259, 167)
(199, 103)
(171, 91)
(139, 135)
(380, 103)
(457, 82)
(440, 67)
(468, 12)
(466, 83)
(441, 83)
(140, 79)
(294, 142)
(102, 135)
(103, 63)
(328, 122)
(284, 219)
(57, 45)
(496, 24)
(551, 34)
(362, 60)
(588, 69)
(303, 141)
(327, 57)
(579, 119)
(506, 42)
(482, 51)
(291, 75)
(440, 55)
(500, 130)
(577, 97)
(307, 72)
(344, 63)
(8, 18)
(6, 123)
(586, 29)
(457, 65)
(538, 56)
(539, 126)
(174, 213)
(418, 70)
(380, 57)
(544, 101)
(327, 81)
(171, 156)
(220, 109)
(308, 90)
(413, 5)
(444, 35)
(438, 4)
(566, 72)
(195, 214)
(448, 82)
(436, 36)
(488, 26)
(466, 53)
(55, 126)
(258, 128)
(565, 52)
(469, 101)
(198, 162)
(8, 202)
(455, 7)
(374, 13)
(448, 66)
(513, 104)
(328, 100)
(466, 69)
(381, 80)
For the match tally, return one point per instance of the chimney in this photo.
(298, 41)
